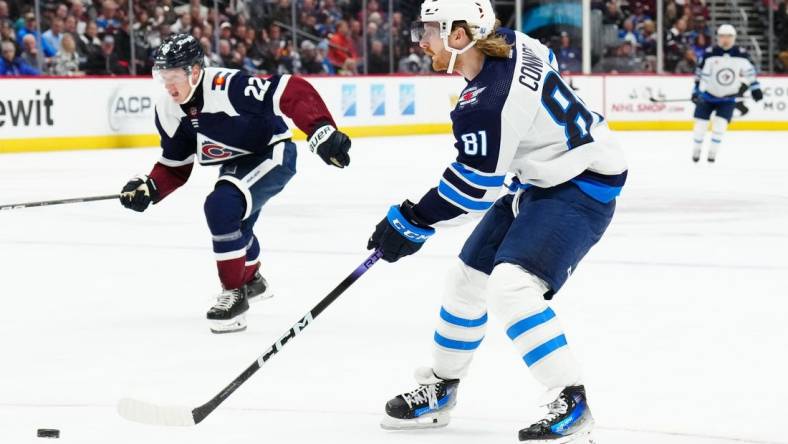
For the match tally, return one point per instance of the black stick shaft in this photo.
(57, 202)
(204, 410)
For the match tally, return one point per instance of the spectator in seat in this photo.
(341, 53)
(54, 34)
(106, 21)
(311, 63)
(66, 62)
(569, 57)
(10, 65)
(688, 64)
(106, 61)
(29, 28)
(89, 45)
(378, 61)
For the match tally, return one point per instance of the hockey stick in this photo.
(57, 202)
(147, 413)
(655, 100)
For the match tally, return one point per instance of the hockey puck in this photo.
(48, 433)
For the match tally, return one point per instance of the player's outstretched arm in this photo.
(301, 103)
(170, 172)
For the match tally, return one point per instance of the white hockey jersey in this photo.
(724, 74)
(518, 116)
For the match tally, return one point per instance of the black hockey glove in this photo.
(757, 94)
(138, 193)
(330, 144)
(695, 96)
(400, 233)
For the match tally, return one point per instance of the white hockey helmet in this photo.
(726, 29)
(478, 14)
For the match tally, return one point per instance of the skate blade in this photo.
(260, 297)
(236, 324)
(429, 421)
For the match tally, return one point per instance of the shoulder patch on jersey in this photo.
(219, 80)
(216, 91)
(211, 151)
(470, 96)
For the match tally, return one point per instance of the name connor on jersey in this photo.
(211, 152)
(531, 70)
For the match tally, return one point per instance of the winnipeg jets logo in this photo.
(726, 76)
(470, 96)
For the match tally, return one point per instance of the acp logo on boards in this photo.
(130, 109)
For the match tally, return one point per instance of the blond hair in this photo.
(494, 45)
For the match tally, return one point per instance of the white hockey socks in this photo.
(718, 127)
(517, 297)
(462, 323)
(698, 134)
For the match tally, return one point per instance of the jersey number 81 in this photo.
(474, 145)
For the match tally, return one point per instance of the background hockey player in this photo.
(516, 115)
(725, 73)
(223, 117)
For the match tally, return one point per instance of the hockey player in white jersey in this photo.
(515, 116)
(725, 73)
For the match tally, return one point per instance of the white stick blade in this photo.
(147, 413)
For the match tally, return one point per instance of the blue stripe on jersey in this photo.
(455, 344)
(463, 202)
(598, 191)
(707, 97)
(552, 57)
(464, 187)
(533, 321)
(477, 179)
(462, 322)
(535, 355)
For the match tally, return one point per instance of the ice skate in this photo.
(426, 407)
(257, 289)
(696, 155)
(568, 420)
(229, 313)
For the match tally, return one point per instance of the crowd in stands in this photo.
(94, 36)
(781, 34)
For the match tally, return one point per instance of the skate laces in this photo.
(555, 409)
(227, 299)
(425, 394)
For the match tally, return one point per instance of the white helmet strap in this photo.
(193, 86)
(455, 52)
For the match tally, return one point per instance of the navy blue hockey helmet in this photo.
(179, 51)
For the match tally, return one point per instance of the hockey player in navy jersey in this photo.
(515, 116)
(224, 117)
(724, 73)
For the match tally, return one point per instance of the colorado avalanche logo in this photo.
(470, 96)
(214, 152)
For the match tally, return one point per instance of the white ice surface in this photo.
(678, 315)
